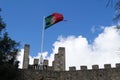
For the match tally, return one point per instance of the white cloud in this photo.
(103, 50)
(20, 57)
(97, 28)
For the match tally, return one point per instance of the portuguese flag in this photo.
(53, 19)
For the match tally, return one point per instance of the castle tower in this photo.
(26, 56)
(59, 60)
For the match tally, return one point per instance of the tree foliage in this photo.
(116, 5)
(8, 52)
(117, 9)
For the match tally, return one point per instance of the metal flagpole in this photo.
(42, 42)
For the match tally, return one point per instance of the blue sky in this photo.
(24, 19)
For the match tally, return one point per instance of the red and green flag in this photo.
(53, 19)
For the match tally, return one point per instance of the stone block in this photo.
(95, 67)
(107, 66)
(36, 61)
(83, 67)
(118, 65)
(45, 62)
(72, 68)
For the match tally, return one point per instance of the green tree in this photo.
(116, 5)
(8, 52)
(117, 9)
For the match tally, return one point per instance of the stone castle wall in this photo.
(57, 70)
(107, 73)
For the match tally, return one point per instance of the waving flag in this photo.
(49, 21)
(53, 19)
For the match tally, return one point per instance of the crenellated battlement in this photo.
(57, 70)
(59, 62)
(73, 68)
(106, 66)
